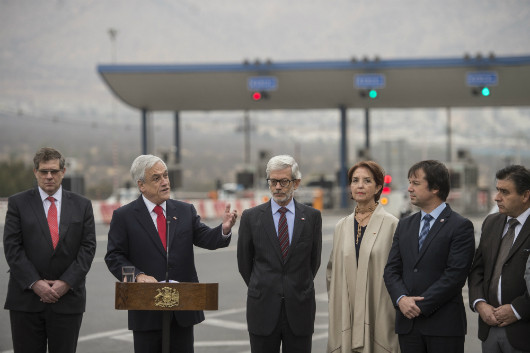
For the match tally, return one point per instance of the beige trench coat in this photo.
(361, 314)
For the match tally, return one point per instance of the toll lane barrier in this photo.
(206, 208)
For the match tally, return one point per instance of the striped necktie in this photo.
(283, 232)
(425, 230)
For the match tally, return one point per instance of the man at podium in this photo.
(153, 233)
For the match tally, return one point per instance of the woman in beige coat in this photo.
(361, 314)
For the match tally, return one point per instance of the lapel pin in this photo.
(441, 220)
(303, 219)
(175, 218)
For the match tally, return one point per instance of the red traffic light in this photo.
(258, 96)
(386, 187)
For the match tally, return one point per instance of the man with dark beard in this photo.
(278, 255)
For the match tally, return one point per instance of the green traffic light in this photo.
(485, 91)
(372, 94)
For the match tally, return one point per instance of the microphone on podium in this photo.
(167, 250)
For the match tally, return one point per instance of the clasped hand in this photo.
(501, 316)
(50, 291)
(408, 306)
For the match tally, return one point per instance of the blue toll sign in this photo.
(262, 83)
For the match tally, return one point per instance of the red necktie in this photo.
(52, 221)
(161, 224)
(283, 232)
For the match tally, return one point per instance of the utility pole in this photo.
(115, 181)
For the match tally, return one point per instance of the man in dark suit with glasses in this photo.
(49, 243)
(278, 255)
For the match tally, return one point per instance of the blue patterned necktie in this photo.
(425, 230)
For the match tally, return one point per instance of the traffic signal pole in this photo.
(343, 157)
(367, 132)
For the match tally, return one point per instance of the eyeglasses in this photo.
(44, 172)
(283, 182)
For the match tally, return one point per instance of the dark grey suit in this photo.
(271, 280)
(513, 287)
(527, 274)
(31, 256)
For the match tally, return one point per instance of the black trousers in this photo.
(181, 339)
(35, 332)
(415, 342)
(283, 335)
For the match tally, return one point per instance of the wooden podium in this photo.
(166, 297)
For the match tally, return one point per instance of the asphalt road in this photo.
(104, 329)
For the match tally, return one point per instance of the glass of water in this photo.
(127, 274)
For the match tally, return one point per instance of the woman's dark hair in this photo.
(377, 171)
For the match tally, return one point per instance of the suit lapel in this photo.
(348, 249)
(370, 235)
(524, 233)
(299, 220)
(173, 223)
(495, 240)
(412, 235)
(66, 214)
(38, 209)
(440, 222)
(146, 222)
(270, 230)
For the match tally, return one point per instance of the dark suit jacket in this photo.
(437, 272)
(134, 241)
(513, 287)
(269, 278)
(31, 257)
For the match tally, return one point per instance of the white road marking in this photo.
(226, 324)
(95, 336)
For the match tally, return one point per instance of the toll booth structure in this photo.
(481, 81)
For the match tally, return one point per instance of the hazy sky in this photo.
(49, 50)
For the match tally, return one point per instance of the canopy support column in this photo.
(144, 131)
(177, 138)
(343, 157)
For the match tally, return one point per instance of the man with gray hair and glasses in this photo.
(137, 237)
(278, 255)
